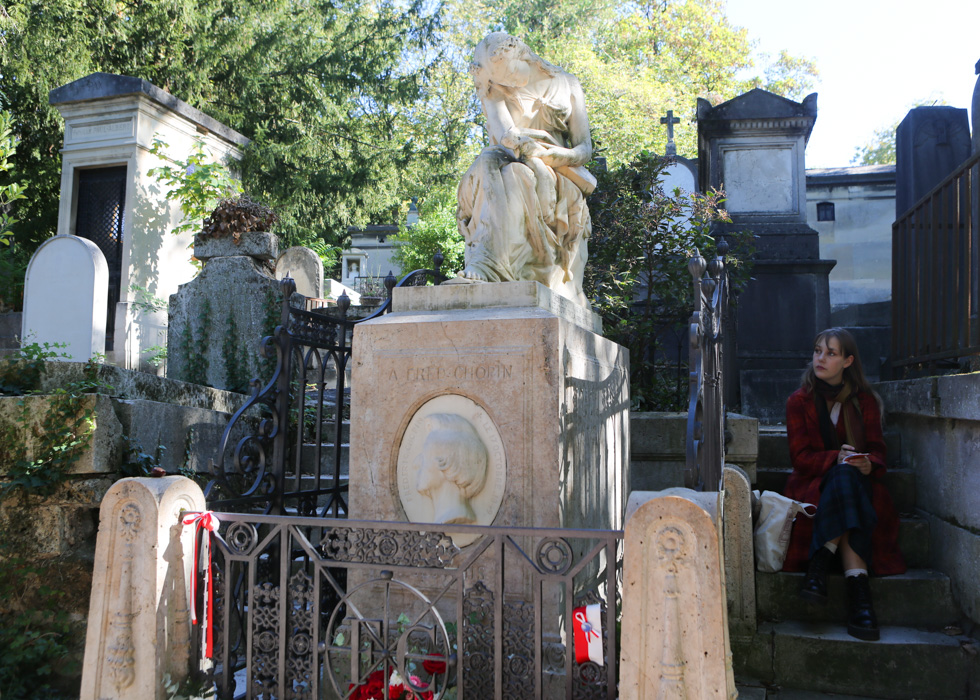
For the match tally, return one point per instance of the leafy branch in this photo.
(196, 183)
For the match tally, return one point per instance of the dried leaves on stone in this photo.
(233, 217)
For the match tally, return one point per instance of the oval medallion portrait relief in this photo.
(451, 467)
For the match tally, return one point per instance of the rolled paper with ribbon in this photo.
(587, 626)
(209, 522)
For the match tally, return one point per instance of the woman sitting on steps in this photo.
(833, 423)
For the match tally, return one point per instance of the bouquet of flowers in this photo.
(373, 688)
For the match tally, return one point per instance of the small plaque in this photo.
(451, 465)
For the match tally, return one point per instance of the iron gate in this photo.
(285, 451)
(100, 217)
(321, 608)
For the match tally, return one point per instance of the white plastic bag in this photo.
(773, 528)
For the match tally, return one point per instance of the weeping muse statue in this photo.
(522, 209)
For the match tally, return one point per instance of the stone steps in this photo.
(809, 652)
(308, 458)
(906, 663)
(917, 598)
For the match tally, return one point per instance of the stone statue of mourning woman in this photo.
(522, 209)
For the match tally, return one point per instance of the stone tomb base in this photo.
(489, 404)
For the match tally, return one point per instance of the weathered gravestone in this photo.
(753, 147)
(304, 267)
(218, 319)
(929, 144)
(674, 614)
(109, 197)
(65, 296)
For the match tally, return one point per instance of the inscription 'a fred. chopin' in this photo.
(460, 372)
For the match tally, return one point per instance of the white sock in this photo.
(855, 572)
(832, 547)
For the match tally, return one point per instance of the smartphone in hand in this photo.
(856, 455)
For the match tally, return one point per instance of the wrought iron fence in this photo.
(706, 397)
(322, 608)
(293, 454)
(935, 263)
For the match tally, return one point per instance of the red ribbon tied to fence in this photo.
(209, 522)
(588, 634)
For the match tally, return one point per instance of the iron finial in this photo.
(696, 265)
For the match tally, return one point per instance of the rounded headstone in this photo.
(306, 269)
(66, 292)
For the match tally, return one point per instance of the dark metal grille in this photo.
(286, 450)
(706, 403)
(935, 263)
(314, 608)
(99, 217)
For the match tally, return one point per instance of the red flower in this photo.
(433, 666)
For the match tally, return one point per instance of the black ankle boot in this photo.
(861, 620)
(815, 584)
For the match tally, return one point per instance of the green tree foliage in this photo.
(196, 182)
(879, 150)
(638, 280)
(13, 261)
(636, 60)
(330, 93)
(435, 231)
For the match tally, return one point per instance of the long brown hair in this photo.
(853, 374)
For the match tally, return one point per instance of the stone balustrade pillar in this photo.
(139, 614)
(674, 606)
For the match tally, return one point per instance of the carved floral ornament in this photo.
(451, 466)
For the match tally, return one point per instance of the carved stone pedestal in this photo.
(489, 404)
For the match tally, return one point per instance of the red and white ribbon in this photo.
(209, 522)
(587, 624)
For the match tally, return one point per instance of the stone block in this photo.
(189, 436)
(764, 392)
(130, 384)
(304, 267)
(674, 611)
(919, 597)
(548, 400)
(25, 415)
(217, 322)
(40, 531)
(139, 621)
(930, 143)
(739, 553)
(513, 295)
(65, 295)
(253, 244)
(956, 551)
(905, 663)
(659, 452)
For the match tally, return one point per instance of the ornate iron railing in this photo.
(706, 396)
(291, 457)
(321, 608)
(935, 279)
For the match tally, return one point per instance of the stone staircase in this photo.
(925, 652)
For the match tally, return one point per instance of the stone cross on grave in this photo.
(670, 120)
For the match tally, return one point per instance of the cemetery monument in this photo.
(522, 209)
(109, 197)
(494, 398)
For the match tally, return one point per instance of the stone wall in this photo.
(658, 448)
(47, 541)
(939, 421)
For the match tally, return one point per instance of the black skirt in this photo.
(845, 506)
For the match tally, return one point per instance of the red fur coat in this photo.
(811, 461)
